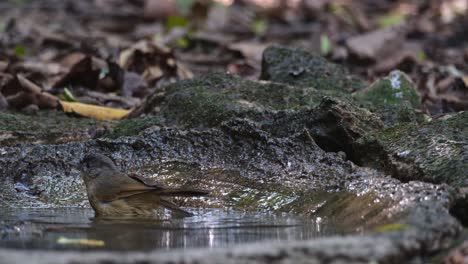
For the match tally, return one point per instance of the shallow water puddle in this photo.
(77, 229)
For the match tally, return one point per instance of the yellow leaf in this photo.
(80, 241)
(390, 227)
(94, 111)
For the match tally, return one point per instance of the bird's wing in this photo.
(149, 201)
(134, 184)
(145, 181)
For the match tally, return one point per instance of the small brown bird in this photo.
(113, 193)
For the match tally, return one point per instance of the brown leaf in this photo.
(137, 57)
(153, 61)
(376, 44)
(159, 9)
(42, 99)
(406, 55)
(315, 6)
(108, 99)
(244, 69)
(183, 72)
(84, 72)
(250, 50)
(3, 65)
(43, 68)
(135, 85)
(465, 80)
(152, 73)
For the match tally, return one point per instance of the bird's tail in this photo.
(174, 208)
(181, 192)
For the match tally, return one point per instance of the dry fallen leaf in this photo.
(376, 44)
(153, 61)
(85, 72)
(159, 9)
(250, 50)
(151, 49)
(407, 54)
(33, 94)
(80, 241)
(94, 111)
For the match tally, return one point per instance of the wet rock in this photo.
(53, 165)
(238, 155)
(433, 152)
(280, 109)
(131, 127)
(300, 68)
(334, 125)
(47, 127)
(393, 98)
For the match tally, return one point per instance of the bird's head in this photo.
(94, 164)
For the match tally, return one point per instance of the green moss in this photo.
(200, 106)
(300, 68)
(45, 120)
(395, 132)
(434, 152)
(394, 98)
(131, 127)
(210, 100)
(46, 126)
(391, 91)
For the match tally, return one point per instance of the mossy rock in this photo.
(51, 127)
(434, 152)
(131, 127)
(209, 100)
(300, 68)
(394, 98)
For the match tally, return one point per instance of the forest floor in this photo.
(115, 52)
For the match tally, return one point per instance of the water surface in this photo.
(76, 228)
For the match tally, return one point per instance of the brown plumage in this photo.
(113, 193)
